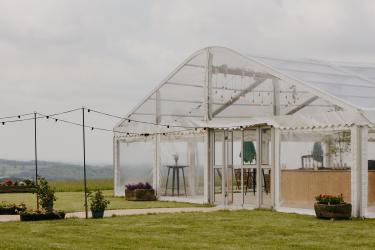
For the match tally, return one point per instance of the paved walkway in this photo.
(4, 218)
(124, 212)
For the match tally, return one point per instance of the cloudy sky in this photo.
(57, 55)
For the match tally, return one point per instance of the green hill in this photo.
(52, 170)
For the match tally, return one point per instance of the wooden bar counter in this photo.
(300, 186)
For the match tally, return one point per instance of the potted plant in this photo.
(139, 192)
(98, 204)
(46, 194)
(332, 207)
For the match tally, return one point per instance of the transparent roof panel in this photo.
(364, 70)
(345, 83)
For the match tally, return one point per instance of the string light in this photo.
(186, 129)
(16, 116)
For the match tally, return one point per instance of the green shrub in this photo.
(46, 194)
(97, 201)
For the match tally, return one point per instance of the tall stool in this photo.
(176, 176)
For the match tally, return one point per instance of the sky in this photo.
(107, 55)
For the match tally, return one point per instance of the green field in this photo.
(217, 230)
(74, 201)
(77, 185)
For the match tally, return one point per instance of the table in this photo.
(176, 175)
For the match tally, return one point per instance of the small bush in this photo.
(46, 194)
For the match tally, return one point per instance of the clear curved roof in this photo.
(352, 83)
(217, 83)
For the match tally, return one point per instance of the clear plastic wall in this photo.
(136, 163)
(182, 160)
(314, 163)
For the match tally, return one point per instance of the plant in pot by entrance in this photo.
(46, 195)
(98, 204)
(332, 207)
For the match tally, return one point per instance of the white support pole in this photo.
(156, 167)
(276, 171)
(364, 172)
(225, 170)
(259, 169)
(354, 169)
(208, 169)
(116, 166)
(359, 170)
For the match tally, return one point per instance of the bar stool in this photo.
(176, 175)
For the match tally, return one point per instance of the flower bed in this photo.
(11, 209)
(16, 189)
(36, 215)
(139, 192)
(332, 207)
(25, 186)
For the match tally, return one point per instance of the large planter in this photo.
(12, 210)
(97, 214)
(337, 211)
(42, 216)
(140, 195)
(16, 189)
(8, 211)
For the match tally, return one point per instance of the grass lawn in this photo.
(257, 229)
(77, 185)
(74, 201)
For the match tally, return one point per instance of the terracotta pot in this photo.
(336, 211)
